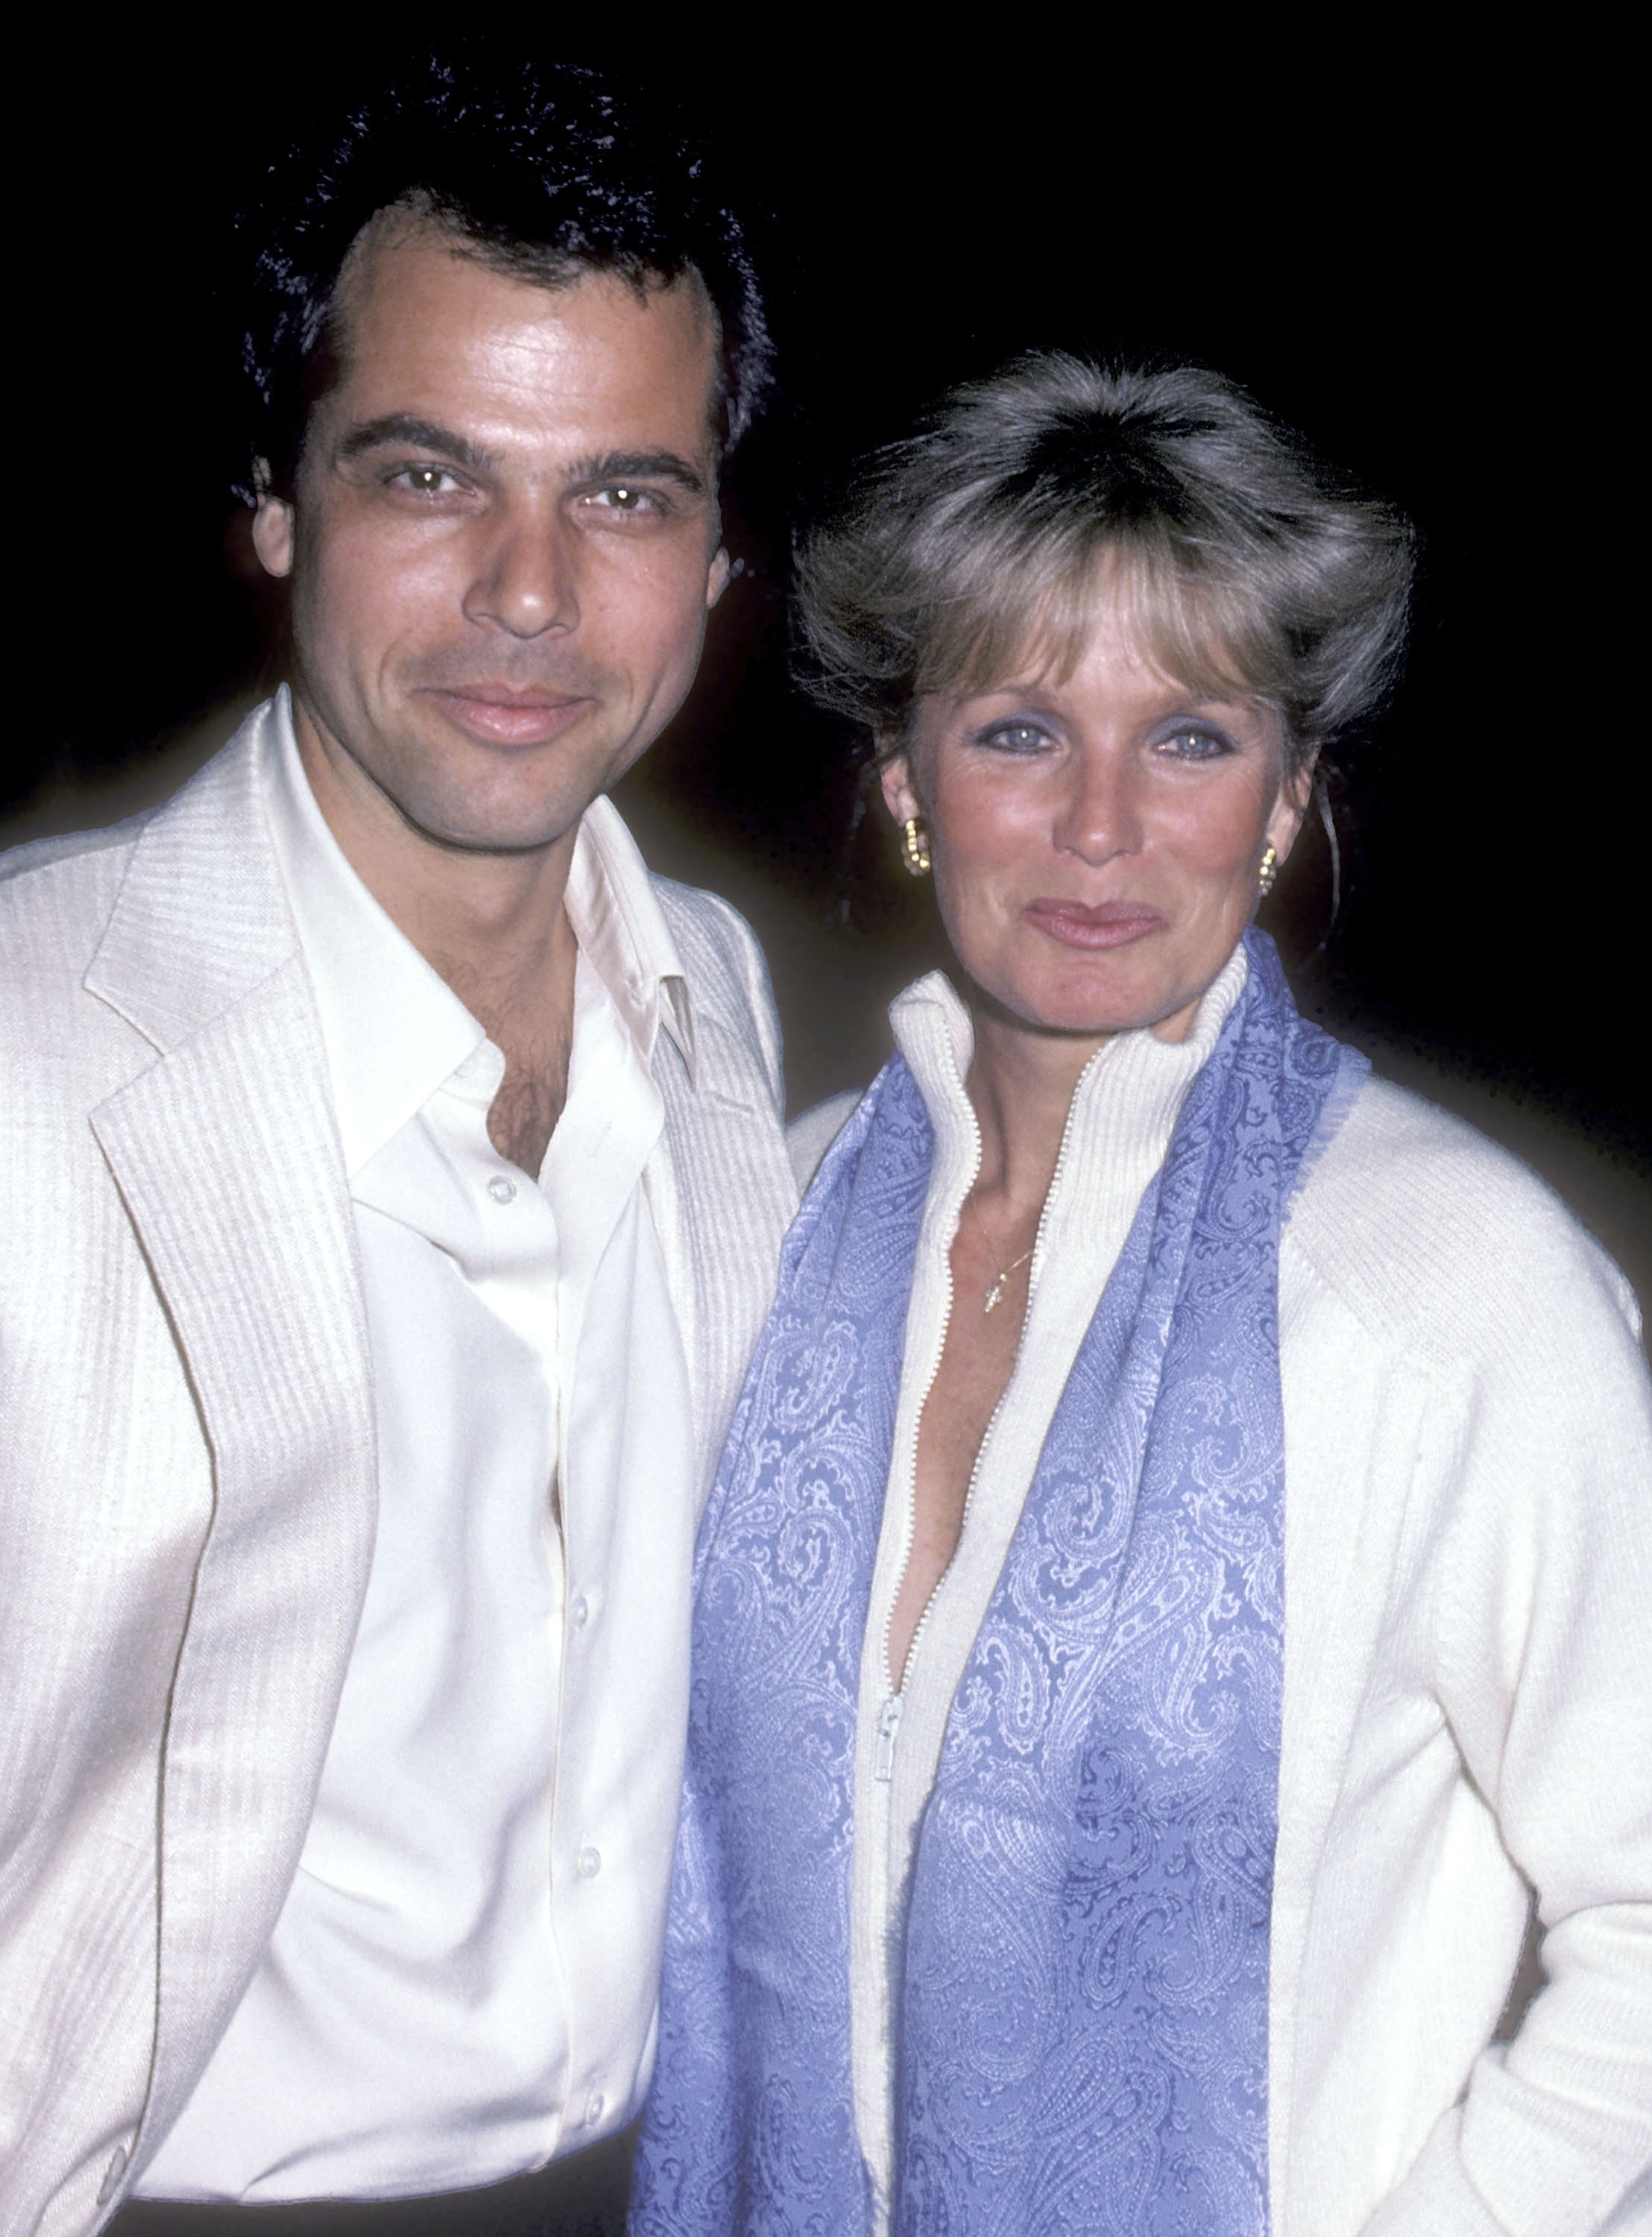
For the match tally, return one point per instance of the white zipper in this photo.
(1054, 1190)
(888, 1725)
(890, 1715)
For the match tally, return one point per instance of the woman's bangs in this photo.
(1027, 614)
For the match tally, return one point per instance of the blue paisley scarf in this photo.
(1084, 2000)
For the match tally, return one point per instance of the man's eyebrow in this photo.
(402, 428)
(638, 465)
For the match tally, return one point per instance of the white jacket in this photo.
(187, 1499)
(1467, 1661)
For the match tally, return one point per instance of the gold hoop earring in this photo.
(914, 846)
(1267, 875)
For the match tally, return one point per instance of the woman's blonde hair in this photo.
(974, 551)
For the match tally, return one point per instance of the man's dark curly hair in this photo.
(544, 172)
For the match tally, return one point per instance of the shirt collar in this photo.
(619, 924)
(395, 1032)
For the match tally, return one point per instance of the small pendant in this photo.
(995, 1295)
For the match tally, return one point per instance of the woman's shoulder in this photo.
(810, 1136)
(1442, 1241)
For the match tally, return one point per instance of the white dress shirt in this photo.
(462, 1984)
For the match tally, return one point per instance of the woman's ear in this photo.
(895, 775)
(1295, 794)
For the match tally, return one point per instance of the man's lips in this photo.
(1100, 924)
(504, 714)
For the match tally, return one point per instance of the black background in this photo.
(1407, 230)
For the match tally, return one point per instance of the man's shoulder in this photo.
(56, 898)
(86, 862)
(723, 963)
(60, 1051)
(46, 874)
(675, 929)
(151, 923)
(711, 936)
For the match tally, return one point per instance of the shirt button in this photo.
(593, 2109)
(116, 2168)
(590, 1862)
(581, 1610)
(501, 1190)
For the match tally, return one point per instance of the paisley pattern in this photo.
(1084, 2008)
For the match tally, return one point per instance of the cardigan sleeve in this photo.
(1543, 1658)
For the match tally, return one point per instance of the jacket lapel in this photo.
(227, 1156)
(723, 1193)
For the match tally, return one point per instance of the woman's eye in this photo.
(1014, 737)
(1195, 744)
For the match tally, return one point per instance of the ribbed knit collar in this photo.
(1123, 1111)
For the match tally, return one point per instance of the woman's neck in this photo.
(1021, 1085)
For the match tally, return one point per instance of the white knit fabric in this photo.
(1467, 1661)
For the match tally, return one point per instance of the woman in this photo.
(1178, 1580)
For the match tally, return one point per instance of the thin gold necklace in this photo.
(995, 1295)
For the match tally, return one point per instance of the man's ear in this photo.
(717, 580)
(271, 525)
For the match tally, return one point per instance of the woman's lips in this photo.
(511, 718)
(1107, 924)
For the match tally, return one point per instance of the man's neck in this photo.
(493, 925)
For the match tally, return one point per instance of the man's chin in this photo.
(464, 832)
(488, 797)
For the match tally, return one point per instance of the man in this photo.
(396, 1175)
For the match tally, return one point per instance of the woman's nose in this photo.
(526, 583)
(1099, 814)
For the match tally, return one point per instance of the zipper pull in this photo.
(888, 1725)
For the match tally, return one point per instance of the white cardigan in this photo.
(187, 1494)
(1468, 1652)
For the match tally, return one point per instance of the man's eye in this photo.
(626, 498)
(426, 481)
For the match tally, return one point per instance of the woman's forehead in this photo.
(1109, 629)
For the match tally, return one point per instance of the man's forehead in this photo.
(414, 223)
(405, 259)
(429, 329)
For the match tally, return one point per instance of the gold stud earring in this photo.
(1267, 873)
(914, 846)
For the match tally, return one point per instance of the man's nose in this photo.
(1100, 813)
(526, 581)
